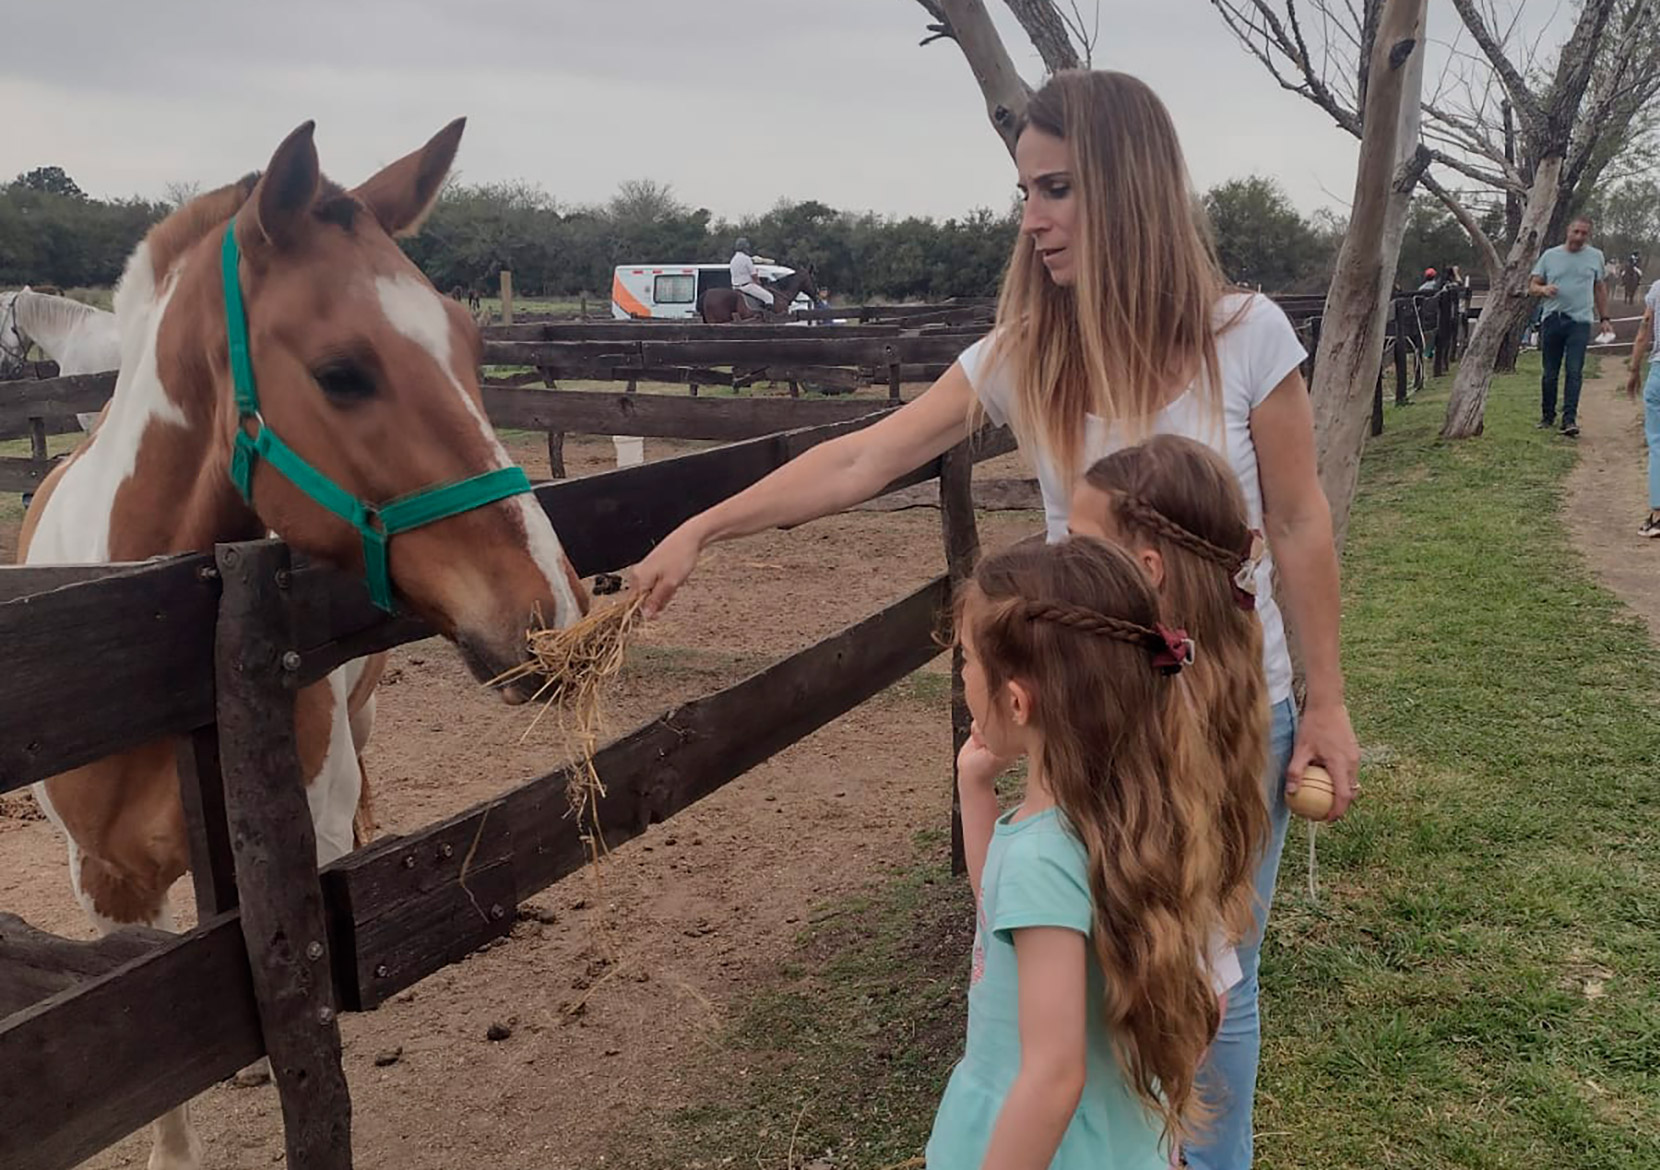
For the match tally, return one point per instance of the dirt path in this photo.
(1608, 495)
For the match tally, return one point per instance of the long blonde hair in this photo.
(1141, 313)
(1178, 497)
(1076, 624)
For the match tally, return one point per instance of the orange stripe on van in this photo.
(629, 302)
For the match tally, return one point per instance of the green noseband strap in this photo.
(375, 523)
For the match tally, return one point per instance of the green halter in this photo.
(376, 523)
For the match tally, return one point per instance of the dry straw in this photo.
(578, 664)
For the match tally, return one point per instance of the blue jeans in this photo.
(1228, 1078)
(1561, 337)
(1651, 429)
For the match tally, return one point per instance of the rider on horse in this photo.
(747, 281)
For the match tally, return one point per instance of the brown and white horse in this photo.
(369, 375)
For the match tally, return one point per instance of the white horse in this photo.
(80, 338)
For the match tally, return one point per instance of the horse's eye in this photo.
(345, 382)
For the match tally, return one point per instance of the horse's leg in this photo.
(144, 849)
(360, 704)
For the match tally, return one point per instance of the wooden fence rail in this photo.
(88, 1066)
(135, 641)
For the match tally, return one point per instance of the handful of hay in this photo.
(579, 663)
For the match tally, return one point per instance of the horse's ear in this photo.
(281, 200)
(400, 196)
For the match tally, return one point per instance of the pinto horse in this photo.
(364, 373)
(723, 305)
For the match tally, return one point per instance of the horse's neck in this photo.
(155, 479)
(50, 322)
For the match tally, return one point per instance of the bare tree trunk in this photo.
(1506, 305)
(1351, 337)
(969, 24)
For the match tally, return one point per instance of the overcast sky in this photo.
(736, 103)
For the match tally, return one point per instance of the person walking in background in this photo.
(1569, 279)
(1647, 345)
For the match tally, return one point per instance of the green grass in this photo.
(1476, 986)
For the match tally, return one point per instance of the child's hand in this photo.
(976, 763)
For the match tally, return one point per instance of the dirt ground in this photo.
(1608, 494)
(614, 993)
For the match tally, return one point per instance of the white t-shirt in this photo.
(1254, 355)
(743, 269)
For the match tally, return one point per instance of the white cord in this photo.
(1313, 894)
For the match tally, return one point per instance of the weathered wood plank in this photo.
(275, 847)
(56, 400)
(874, 351)
(962, 551)
(35, 965)
(18, 474)
(85, 1068)
(136, 647)
(408, 906)
(202, 791)
(990, 495)
(651, 416)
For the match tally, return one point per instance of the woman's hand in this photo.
(666, 568)
(1325, 736)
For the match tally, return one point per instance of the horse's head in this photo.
(371, 377)
(14, 344)
(809, 281)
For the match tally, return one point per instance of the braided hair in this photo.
(1178, 497)
(1077, 625)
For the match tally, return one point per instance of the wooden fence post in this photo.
(202, 789)
(556, 454)
(1405, 314)
(1377, 407)
(37, 438)
(962, 550)
(506, 296)
(255, 671)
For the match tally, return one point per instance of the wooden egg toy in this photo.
(1313, 798)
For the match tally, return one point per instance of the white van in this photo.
(672, 292)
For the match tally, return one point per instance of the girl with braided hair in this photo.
(1175, 506)
(1088, 1010)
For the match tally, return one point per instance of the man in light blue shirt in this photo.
(1569, 278)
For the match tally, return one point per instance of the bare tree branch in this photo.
(1484, 243)
(1048, 31)
(1521, 97)
(969, 24)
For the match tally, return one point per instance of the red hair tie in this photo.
(1176, 652)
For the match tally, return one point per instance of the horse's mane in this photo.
(175, 235)
(46, 318)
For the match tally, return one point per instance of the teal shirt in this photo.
(1036, 874)
(1575, 275)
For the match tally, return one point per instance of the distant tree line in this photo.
(52, 233)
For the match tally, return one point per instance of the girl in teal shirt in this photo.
(1089, 1008)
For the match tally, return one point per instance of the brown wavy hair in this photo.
(1074, 623)
(1141, 314)
(1177, 497)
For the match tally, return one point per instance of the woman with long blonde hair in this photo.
(1115, 323)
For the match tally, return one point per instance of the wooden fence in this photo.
(207, 649)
